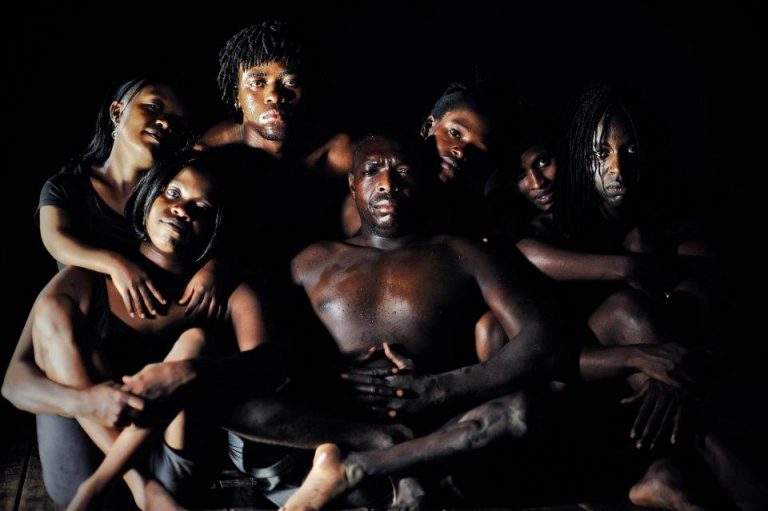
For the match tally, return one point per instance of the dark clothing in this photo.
(92, 219)
(68, 457)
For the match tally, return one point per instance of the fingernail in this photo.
(392, 413)
(400, 393)
(344, 376)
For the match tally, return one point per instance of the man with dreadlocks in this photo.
(262, 79)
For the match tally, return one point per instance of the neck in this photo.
(253, 138)
(168, 262)
(122, 171)
(371, 239)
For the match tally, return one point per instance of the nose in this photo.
(275, 94)
(457, 152)
(387, 182)
(534, 179)
(613, 165)
(163, 123)
(179, 210)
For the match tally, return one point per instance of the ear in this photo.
(116, 111)
(427, 127)
(351, 182)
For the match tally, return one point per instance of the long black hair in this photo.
(576, 200)
(154, 182)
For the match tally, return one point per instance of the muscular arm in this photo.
(535, 351)
(27, 386)
(561, 264)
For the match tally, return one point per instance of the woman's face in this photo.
(182, 217)
(150, 121)
(615, 160)
(536, 178)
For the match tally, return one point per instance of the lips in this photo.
(156, 134)
(270, 116)
(179, 227)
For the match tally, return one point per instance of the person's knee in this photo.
(52, 329)
(193, 343)
(489, 336)
(621, 316)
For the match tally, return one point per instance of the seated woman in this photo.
(79, 339)
(81, 207)
(607, 256)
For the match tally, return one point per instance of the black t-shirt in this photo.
(92, 219)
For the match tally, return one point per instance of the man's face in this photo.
(536, 179)
(460, 136)
(269, 96)
(615, 160)
(383, 181)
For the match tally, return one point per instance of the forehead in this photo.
(381, 148)
(270, 68)
(194, 182)
(617, 126)
(161, 91)
(467, 117)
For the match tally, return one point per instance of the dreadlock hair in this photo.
(577, 203)
(268, 41)
(101, 142)
(153, 184)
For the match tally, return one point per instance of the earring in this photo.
(114, 134)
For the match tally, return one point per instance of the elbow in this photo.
(10, 390)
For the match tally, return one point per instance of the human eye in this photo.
(542, 161)
(172, 192)
(601, 153)
(454, 133)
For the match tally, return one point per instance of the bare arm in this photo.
(28, 388)
(561, 264)
(61, 240)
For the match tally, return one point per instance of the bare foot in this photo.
(662, 487)
(158, 498)
(328, 478)
(410, 495)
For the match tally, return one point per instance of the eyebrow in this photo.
(262, 74)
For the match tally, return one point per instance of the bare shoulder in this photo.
(314, 258)
(227, 132)
(335, 154)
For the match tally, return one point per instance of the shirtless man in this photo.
(392, 283)
(262, 79)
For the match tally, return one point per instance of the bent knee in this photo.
(53, 328)
(489, 336)
(193, 343)
(621, 314)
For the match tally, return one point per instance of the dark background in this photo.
(696, 70)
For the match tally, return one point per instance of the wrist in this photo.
(78, 403)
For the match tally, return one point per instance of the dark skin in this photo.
(56, 367)
(423, 293)
(271, 99)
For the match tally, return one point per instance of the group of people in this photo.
(415, 299)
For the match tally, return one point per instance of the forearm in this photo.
(68, 249)
(598, 362)
(560, 264)
(28, 389)
(520, 362)
(119, 454)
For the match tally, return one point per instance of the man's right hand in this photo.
(109, 405)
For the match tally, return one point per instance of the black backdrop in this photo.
(696, 68)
